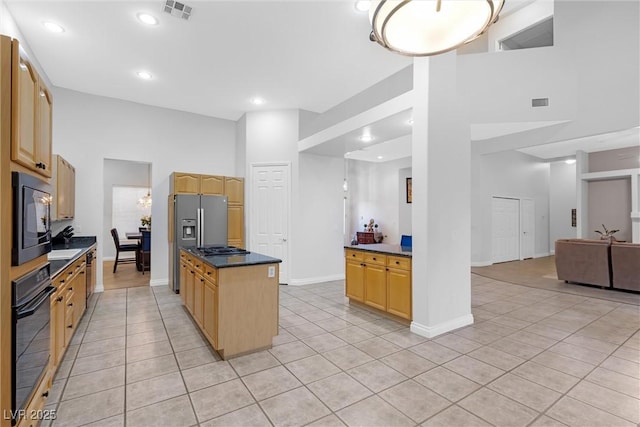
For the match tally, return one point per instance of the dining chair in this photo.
(127, 247)
(145, 251)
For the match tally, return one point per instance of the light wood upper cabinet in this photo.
(185, 183)
(31, 108)
(234, 190)
(64, 184)
(212, 185)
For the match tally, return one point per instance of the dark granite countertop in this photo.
(80, 242)
(235, 260)
(383, 248)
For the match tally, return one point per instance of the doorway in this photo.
(126, 187)
(269, 222)
(513, 229)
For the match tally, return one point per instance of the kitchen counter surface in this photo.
(234, 260)
(383, 248)
(81, 242)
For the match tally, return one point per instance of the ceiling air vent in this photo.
(540, 102)
(177, 9)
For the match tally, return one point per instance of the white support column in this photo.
(582, 195)
(441, 207)
(635, 208)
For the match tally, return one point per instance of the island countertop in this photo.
(233, 260)
(382, 248)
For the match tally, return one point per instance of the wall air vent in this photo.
(177, 9)
(540, 102)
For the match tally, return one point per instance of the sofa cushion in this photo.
(625, 265)
(583, 261)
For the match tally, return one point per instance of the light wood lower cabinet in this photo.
(380, 281)
(210, 312)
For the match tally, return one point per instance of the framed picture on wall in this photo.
(409, 196)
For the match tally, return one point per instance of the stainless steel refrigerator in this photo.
(198, 221)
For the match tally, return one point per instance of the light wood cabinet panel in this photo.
(31, 105)
(185, 183)
(211, 185)
(235, 225)
(64, 184)
(183, 279)
(44, 136)
(399, 292)
(189, 288)
(354, 280)
(198, 291)
(234, 190)
(375, 286)
(210, 312)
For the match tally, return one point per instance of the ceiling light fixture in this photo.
(53, 27)
(570, 161)
(257, 101)
(144, 75)
(430, 27)
(366, 138)
(145, 18)
(363, 5)
(146, 201)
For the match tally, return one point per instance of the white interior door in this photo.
(527, 228)
(505, 229)
(269, 223)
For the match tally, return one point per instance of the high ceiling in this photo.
(294, 54)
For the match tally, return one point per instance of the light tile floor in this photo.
(534, 357)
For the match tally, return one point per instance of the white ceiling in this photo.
(295, 54)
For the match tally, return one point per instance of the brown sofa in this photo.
(584, 261)
(625, 265)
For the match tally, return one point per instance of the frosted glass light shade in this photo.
(430, 27)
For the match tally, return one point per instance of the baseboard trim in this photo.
(552, 252)
(314, 280)
(481, 263)
(99, 288)
(159, 282)
(439, 329)
(541, 255)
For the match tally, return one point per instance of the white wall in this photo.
(87, 129)
(562, 198)
(518, 21)
(508, 174)
(375, 192)
(122, 173)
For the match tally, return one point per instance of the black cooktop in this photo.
(220, 250)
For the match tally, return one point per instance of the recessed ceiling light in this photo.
(53, 27)
(570, 161)
(366, 138)
(144, 75)
(363, 5)
(257, 101)
(380, 157)
(145, 18)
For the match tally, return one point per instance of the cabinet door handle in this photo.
(70, 289)
(202, 280)
(374, 258)
(398, 262)
(387, 269)
(70, 304)
(59, 299)
(41, 165)
(70, 326)
(191, 271)
(45, 394)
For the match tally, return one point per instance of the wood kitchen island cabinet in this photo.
(379, 276)
(232, 298)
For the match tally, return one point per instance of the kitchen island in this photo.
(233, 298)
(379, 276)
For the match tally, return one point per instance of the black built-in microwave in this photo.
(31, 218)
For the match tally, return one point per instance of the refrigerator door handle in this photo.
(198, 230)
(202, 226)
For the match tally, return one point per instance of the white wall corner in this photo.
(159, 282)
(444, 327)
(314, 280)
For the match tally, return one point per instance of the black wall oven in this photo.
(30, 336)
(31, 218)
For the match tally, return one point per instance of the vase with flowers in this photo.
(146, 221)
(607, 234)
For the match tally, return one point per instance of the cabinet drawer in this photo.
(211, 274)
(373, 258)
(403, 263)
(357, 255)
(198, 265)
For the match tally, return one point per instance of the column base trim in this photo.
(441, 328)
